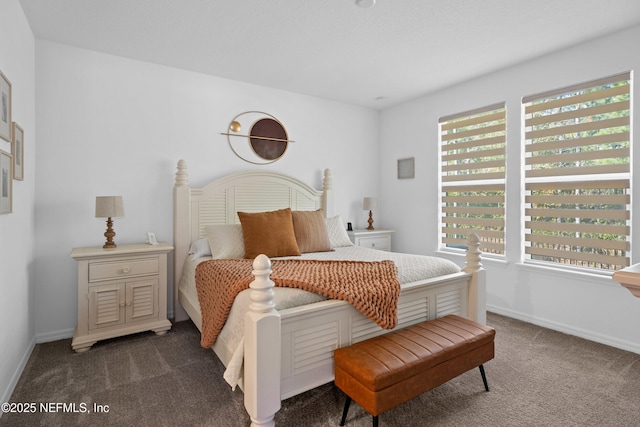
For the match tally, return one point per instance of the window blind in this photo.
(473, 178)
(577, 174)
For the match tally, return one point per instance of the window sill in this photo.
(604, 278)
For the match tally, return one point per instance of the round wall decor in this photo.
(265, 142)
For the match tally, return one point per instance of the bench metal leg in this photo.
(345, 411)
(484, 378)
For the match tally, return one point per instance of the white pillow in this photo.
(225, 241)
(200, 248)
(337, 232)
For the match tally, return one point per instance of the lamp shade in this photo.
(109, 206)
(369, 203)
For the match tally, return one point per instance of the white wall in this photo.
(595, 308)
(114, 126)
(17, 229)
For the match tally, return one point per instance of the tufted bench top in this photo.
(391, 358)
(382, 372)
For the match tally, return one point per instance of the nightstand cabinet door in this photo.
(106, 305)
(141, 302)
(117, 303)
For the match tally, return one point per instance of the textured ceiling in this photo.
(396, 50)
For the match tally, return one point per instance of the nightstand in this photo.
(373, 239)
(120, 291)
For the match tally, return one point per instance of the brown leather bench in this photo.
(385, 371)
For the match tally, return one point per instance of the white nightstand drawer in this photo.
(121, 269)
(379, 239)
(382, 243)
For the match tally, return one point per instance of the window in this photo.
(577, 175)
(473, 178)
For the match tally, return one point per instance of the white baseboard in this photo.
(567, 329)
(6, 394)
(54, 336)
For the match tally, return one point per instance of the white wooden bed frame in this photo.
(307, 335)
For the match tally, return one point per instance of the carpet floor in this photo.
(539, 377)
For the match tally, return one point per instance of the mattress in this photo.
(411, 268)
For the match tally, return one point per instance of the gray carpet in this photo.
(538, 378)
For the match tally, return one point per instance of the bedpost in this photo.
(477, 285)
(262, 331)
(181, 237)
(327, 193)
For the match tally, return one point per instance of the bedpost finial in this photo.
(327, 182)
(262, 293)
(474, 238)
(182, 176)
(261, 263)
(473, 255)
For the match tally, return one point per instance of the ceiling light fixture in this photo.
(365, 4)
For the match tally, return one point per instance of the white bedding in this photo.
(411, 268)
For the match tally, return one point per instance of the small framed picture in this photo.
(17, 150)
(151, 238)
(6, 182)
(5, 107)
(406, 168)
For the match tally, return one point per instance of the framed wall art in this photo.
(6, 182)
(406, 168)
(17, 151)
(5, 108)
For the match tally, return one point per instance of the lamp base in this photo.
(370, 227)
(109, 234)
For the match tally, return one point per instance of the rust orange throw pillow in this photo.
(270, 233)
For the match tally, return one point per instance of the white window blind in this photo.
(577, 174)
(473, 178)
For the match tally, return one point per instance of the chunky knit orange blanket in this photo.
(371, 287)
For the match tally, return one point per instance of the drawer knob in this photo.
(373, 245)
(125, 270)
(121, 303)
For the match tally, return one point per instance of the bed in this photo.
(287, 351)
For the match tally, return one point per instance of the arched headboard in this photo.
(219, 201)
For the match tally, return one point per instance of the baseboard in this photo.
(54, 336)
(567, 329)
(6, 394)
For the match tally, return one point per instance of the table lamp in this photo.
(108, 207)
(369, 204)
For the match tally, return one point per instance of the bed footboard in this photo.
(275, 371)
